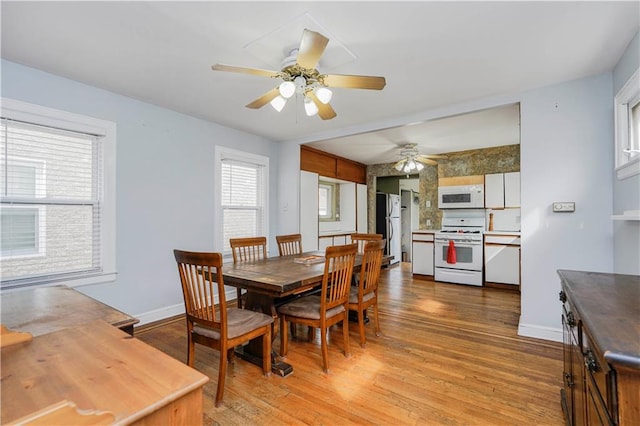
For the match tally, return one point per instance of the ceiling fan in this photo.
(412, 160)
(300, 75)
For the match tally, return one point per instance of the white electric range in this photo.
(462, 232)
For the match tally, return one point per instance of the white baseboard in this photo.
(173, 310)
(539, 332)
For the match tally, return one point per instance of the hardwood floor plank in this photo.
(448, 355)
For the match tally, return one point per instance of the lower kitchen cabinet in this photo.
(422, 254)
(502, 259)
(601, 368)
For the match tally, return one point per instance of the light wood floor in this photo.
(448, 354)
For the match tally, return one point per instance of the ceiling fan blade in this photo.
(311, 49)
(354, 81)
(325, 111)
(427, 161)
(399, 163)
(243, 70)
(428, 156)
(264, 99)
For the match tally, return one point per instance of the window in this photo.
(57, 209)
(627, 122)
(328, 206)
(243, 182)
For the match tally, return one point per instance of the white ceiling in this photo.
(432, 54)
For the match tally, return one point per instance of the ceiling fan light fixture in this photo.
(278, 103)
(300, 84)
(323, 94)
(287, 89)
(419, 165)
(309, 107)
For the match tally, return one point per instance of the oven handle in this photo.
(459, 243)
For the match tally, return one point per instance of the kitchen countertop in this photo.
(335, 233)
(425, 231)
(514, 233)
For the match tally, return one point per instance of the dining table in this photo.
(273, 281)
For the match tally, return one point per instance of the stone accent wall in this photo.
(502, 159)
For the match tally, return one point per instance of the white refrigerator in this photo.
(388, 224)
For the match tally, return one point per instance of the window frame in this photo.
(332, 201)
(223, 153)
(106, 130)
(626, 164)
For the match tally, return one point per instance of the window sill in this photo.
(630, 168)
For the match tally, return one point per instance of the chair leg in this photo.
(222, 373)
(375, 315)
(345, 332)
(311, 334)
(325, 350)
(266, 352)
(239, 299)
(191, 349)
(283, 336)
(363, 338)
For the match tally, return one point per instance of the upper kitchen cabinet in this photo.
(332, 166)
(502, 190)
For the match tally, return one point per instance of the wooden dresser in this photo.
(601, 334)
(99, 369)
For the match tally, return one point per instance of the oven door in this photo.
(468, 253)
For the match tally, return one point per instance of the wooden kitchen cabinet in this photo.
(422, 247)
(502, 190)
(601, 331)
(502, 259)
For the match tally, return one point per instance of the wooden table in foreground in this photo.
(103, 370)
(270, 281)
(46, 309)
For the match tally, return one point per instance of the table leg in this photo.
(252, 351)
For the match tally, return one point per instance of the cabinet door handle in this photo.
(563, 296)
(590, 361)
(571, 320)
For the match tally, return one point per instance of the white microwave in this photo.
(461, 197)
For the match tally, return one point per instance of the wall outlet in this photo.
(564, 207)
(428, 222)
(427, 204)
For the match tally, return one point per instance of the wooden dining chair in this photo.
(247, 249)
(362, 239)
(214, 325)
(327, 308)
(289, 244)
(365, 294)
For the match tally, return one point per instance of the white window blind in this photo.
(51, 188)
(243, 199)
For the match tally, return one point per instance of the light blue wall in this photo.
(165, 184)
(566, 155)
(626, 192)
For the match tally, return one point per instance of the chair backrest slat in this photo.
(201, 279)
(371, 266)
(289, 244)
(248, 249)
(338, 270)
(362, 239)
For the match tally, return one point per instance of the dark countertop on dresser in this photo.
(609, 306)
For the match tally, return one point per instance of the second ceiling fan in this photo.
(300, 75)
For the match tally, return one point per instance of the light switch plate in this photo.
(564, 206)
